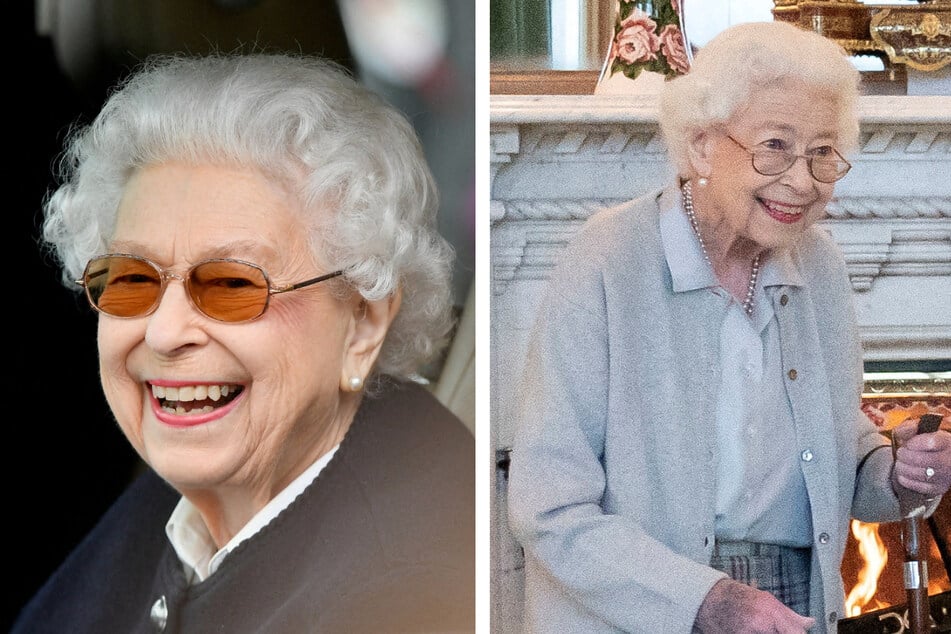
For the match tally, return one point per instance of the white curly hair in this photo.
(744, 58)
(302, 119)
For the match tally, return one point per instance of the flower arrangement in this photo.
(648, 36)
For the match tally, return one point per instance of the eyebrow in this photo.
(257, 252)
(785, 127)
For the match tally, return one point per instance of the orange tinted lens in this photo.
(122, 286)
(228, 290)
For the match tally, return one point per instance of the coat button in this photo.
(793, 374)
(806, 455)
(823, 538)
(784, 299)
(159, 614)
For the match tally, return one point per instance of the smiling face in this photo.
(257, 402)
(770, 211)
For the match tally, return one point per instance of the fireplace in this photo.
(873, 565)
(872, 568)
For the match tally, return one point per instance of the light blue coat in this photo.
(612, 481)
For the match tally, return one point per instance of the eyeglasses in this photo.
(824, 168)
(123, 285)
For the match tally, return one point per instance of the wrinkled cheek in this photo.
(126, 400)
(825, 197)
(124, 395)
(817, 212)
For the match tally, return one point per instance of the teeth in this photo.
(181, 411)
(792, 210)
(189, 393)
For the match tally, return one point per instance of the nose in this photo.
(799, 175)
(176, 323)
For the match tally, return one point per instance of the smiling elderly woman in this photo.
(257, 234)
(690, 446)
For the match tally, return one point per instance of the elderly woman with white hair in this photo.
(257, 233)
(690, 446)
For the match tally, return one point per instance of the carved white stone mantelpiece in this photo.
(557, 159)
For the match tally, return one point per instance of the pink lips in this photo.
(773, 211)
(191, 420)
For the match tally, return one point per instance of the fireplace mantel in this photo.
(557, 159)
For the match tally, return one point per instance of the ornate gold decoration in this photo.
(917, 36)
(931, 27)
(917, 385)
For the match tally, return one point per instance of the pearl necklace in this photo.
(754, 270)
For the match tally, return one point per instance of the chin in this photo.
(184, 472)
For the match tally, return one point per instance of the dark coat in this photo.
(382, 541)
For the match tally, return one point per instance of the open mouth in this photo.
(786, 214)
(195, 399)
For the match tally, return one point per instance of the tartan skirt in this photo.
(782, 571)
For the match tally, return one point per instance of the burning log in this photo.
(896, 619)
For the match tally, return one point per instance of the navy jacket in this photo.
(381, 541)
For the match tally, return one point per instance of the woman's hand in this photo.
(923, 461)
(734, 608)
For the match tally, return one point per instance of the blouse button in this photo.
(159, 614)
(793, 374)
(783, 299)
(833, 617)
(823, 538)
(806, 455)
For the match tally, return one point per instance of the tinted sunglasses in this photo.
(123, 285)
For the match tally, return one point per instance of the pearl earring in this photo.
(356, 383)
(702, 181)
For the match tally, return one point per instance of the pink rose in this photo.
(636, 40)
(672, 44)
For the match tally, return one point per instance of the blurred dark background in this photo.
(67, 460)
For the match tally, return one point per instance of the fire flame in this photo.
(875, 556)
(935, 584)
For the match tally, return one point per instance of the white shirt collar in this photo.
(688, 267)
(189, 536)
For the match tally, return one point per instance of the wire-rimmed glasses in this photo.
(826, 168)
(228, 290)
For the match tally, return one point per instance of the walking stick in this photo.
(916, 579)
(916, 562)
